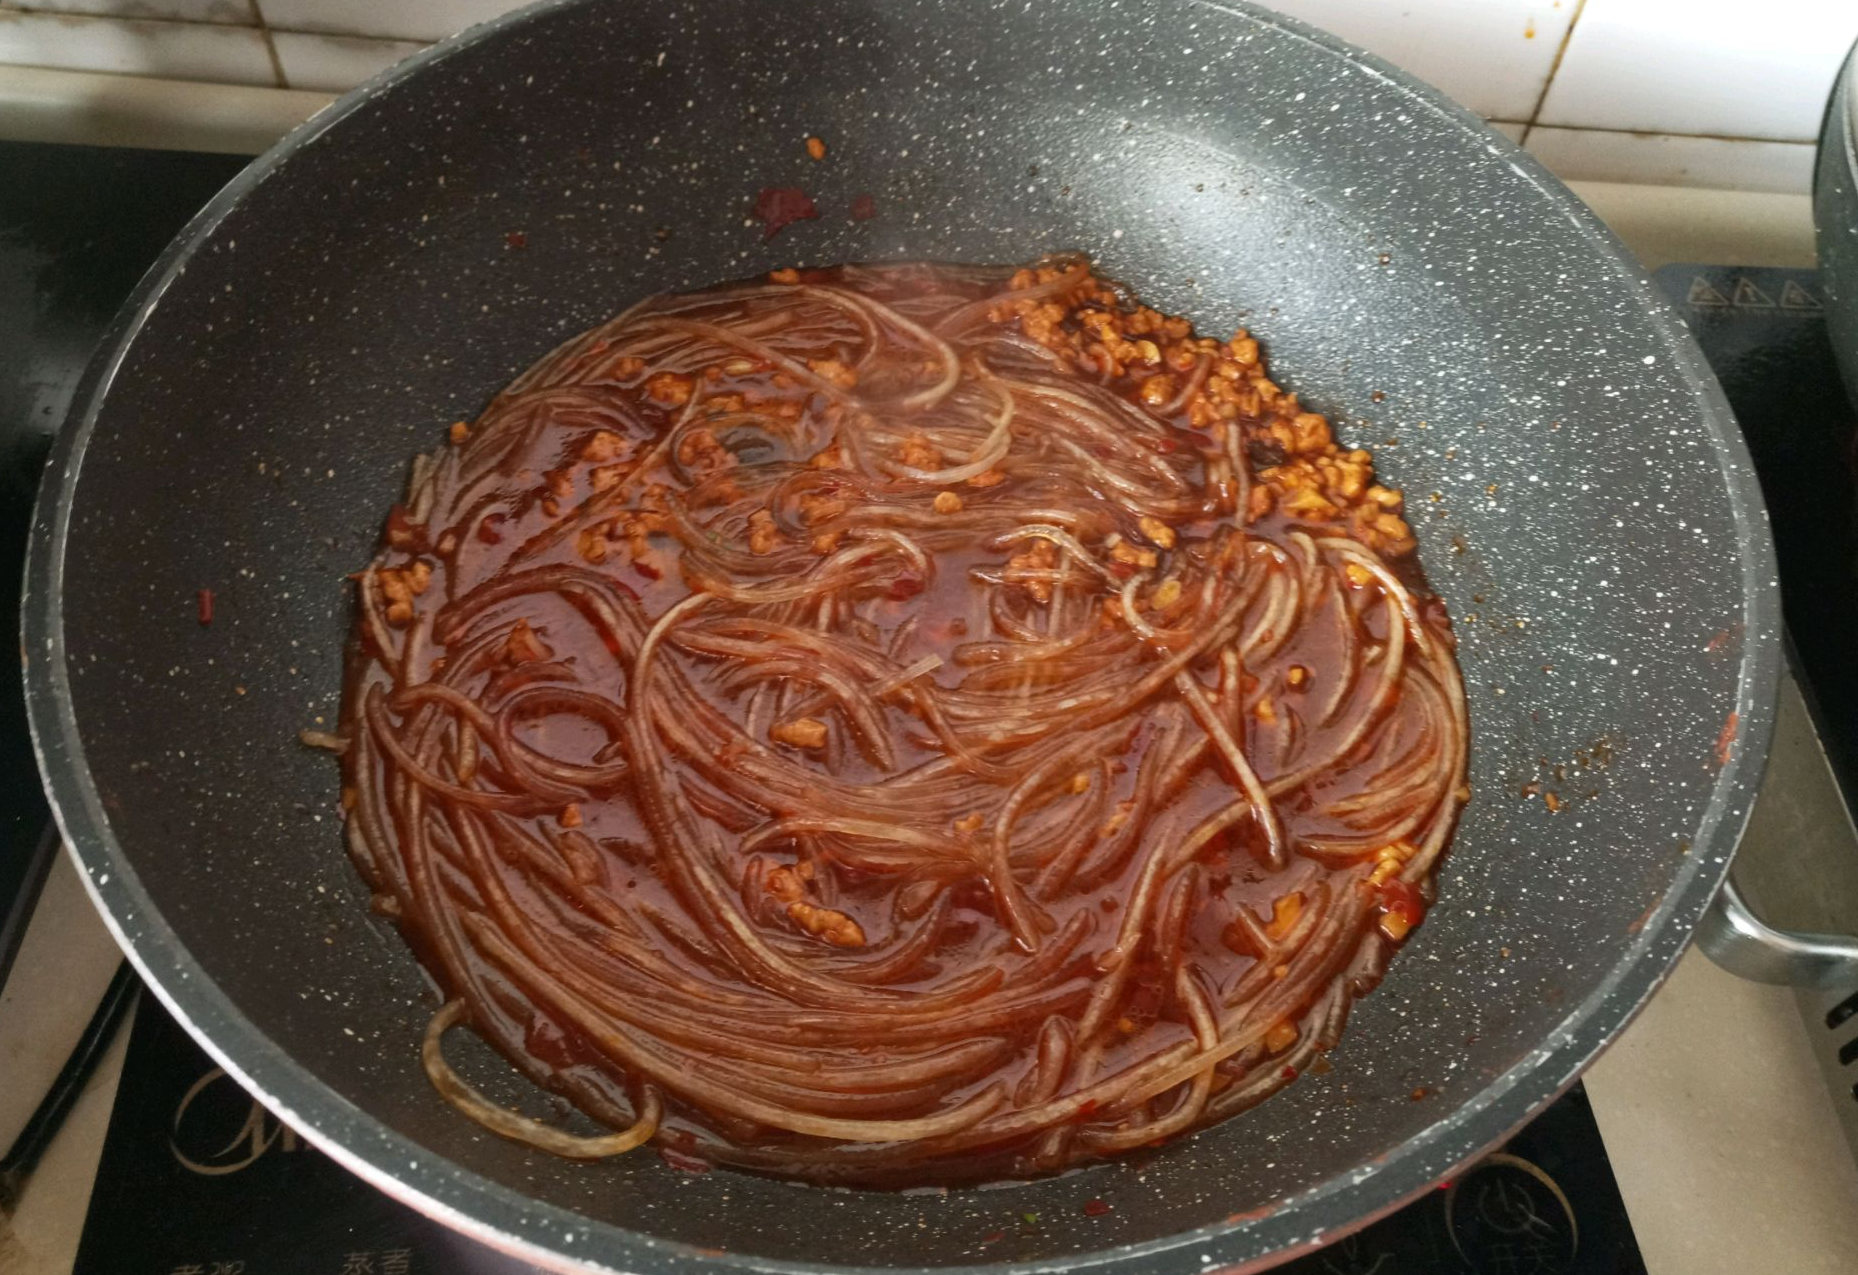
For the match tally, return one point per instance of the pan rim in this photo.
(561, 1239)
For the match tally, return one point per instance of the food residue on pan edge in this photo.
(778, 207)
(1725, 742)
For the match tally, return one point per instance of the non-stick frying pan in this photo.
(1596, 530)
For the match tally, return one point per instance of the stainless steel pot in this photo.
(1835, 215)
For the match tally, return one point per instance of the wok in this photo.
(1598, 533)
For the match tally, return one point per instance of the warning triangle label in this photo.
(1749, 297)
(1702, 294)
(1795, 297)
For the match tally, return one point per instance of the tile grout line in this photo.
(124, 17)
(277, 63)
(1561, 51)
(1650, 133)
(258, 22)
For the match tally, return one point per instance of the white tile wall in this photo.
(1661, 159)
(236, 12)
(1719, 93)
(84, 109)
(177, 50)
(335, 62)
(1493, 56)
(399, 19)
(1727, 68)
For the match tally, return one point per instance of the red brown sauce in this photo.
(1044, 731)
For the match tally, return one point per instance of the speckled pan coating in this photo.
(1597, 531)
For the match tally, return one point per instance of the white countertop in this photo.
(1719, 1127)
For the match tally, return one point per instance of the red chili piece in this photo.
(487, 529)
(647, 570)
(682, 1161)
(206, 606)
(781, 206)
(517, 239)
(1402, 900)
(1096, 1208)
(864, 208)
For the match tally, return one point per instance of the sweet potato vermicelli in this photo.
(898, 724)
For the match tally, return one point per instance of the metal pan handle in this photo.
(1742, 943)
(1801, 823)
